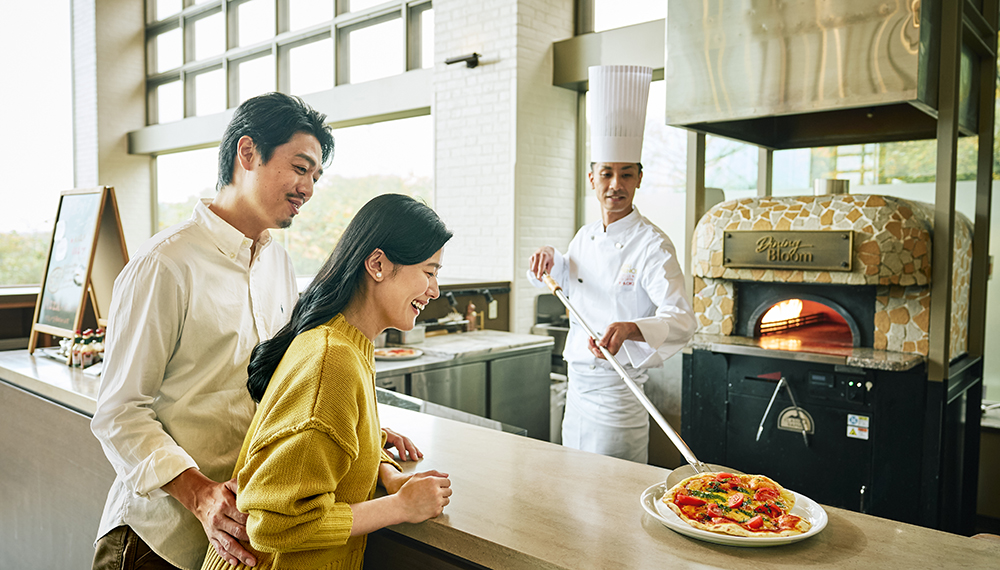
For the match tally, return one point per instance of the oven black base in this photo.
(918, 465)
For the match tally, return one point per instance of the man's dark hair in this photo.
(270, 120)
(593, 164)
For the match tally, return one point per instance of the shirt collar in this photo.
(228, 239)
(624, 224)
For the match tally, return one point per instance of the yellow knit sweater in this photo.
(313, 449)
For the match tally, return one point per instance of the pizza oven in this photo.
(830, 296)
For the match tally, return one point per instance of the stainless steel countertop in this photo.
(462, 348)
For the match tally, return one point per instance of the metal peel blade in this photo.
(675, 438)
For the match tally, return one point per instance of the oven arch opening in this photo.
(821, 321)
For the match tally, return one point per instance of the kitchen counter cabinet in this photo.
(518, 503)
(495, 374)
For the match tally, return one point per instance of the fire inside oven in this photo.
(830, 319)
(798, 324)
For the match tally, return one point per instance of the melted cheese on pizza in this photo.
(744, 505)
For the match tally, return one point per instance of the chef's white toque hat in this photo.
(618, 98)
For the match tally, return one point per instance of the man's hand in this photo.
(541, 261)
(215, 506)
(614, 336)
(404, 447)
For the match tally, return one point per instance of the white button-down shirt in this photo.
(626, 272)
(185, 314)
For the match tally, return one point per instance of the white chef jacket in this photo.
(627, 272)
(186, 312)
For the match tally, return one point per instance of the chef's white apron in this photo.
(603, 415)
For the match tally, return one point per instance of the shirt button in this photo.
(232, 255)
(592, 367)
(591, 238)
(619, 246)
(580, 280)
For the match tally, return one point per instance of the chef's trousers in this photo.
(603, 415)
(122, 549)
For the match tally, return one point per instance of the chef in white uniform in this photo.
(621, 274)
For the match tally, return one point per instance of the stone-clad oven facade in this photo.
(892, 251)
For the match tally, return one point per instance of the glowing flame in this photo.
(783, 311)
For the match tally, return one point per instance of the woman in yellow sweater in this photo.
(314, 453)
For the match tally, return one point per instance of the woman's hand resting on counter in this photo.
(424, 496)
(412, 498)
(406, 449)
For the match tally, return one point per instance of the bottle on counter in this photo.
(75, 349)
(87, 352)
(470, 317)
(98, 345)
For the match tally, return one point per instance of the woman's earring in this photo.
(378, 275)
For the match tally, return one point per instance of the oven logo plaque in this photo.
(795, 419)
(823, 250)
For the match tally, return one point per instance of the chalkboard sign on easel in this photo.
(86, 254)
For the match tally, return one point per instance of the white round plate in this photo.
(804, 507)
(385, 356)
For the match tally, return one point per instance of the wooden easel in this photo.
(86, 253)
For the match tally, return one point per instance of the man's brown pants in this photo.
(122, 549)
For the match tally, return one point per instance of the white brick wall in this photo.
(545, 176)
(504, 139)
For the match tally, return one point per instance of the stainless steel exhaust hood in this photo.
(803, 73)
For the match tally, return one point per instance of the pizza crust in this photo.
(751, 483)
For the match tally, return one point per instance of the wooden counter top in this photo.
(524, 503)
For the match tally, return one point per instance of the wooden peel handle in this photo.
(550, 283)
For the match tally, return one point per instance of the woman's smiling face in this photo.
(406, 291)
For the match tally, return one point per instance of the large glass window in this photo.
(36, 151)
(210, 92)
(609, 14)
(256, 76)
(427, 38)
(166, 8)
(376, 51)
(369, 160)
(305, 13)
(170, 102)
(209, 36)
(183, 178)
(255, 50)
(311, 67)
(393, 156)
(255, 21)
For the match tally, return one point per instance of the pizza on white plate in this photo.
(740, 505)
(390, 353)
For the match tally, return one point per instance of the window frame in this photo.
(279, 45)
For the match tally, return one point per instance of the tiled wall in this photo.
(505, 140)
(892, 250)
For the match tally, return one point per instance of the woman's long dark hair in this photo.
(407, 231)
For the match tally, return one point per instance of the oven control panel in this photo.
(839, 386)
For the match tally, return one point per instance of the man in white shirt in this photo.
(621, 273)
(186, 312)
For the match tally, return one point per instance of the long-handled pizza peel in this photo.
(694, 465)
